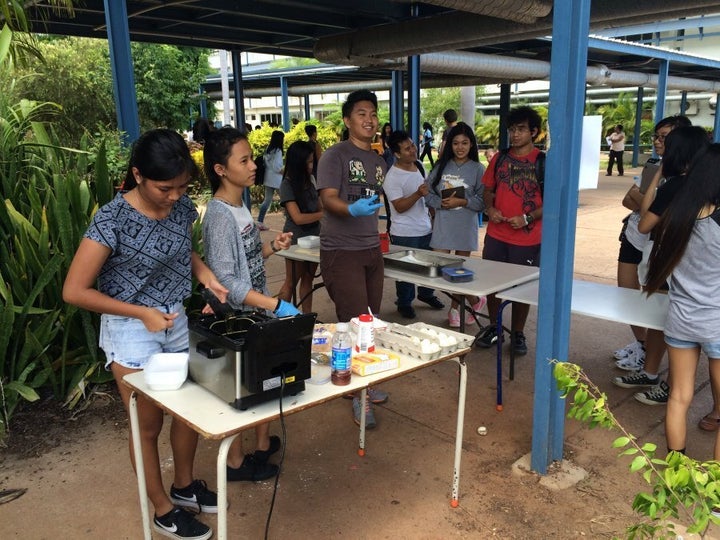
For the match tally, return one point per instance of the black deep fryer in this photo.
(242, 357)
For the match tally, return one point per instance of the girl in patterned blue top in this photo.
(138, 249)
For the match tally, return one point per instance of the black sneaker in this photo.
(196, 496)
(638, 379)
(434, 302)
(406, 312)
(657, 396)
(252, 470)
(487, 337)
(179, 523)
(519, 344)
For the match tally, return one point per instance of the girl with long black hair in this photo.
(687, 251)
(303, 210)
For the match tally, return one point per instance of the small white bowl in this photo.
(309, 242)
(166, 371)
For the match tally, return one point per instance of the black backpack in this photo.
(539, 167)
(260, 172)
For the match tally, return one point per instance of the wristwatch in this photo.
(272, 246)
(528, 219)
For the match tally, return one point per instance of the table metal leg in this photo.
(500, 334)
(139, 465)
(462, 313)
(455, 499)
(363, 403)
(222, 532)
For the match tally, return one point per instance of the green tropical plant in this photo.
(49, 193)
(681, 488)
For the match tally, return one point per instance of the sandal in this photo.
(709, 423)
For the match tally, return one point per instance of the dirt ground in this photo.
(79, 484)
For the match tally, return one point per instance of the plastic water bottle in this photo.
(341, 357)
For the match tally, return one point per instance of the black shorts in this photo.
(629, 254)
(497, 250)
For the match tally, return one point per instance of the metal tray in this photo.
(422, 262)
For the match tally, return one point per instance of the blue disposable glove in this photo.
(286, 309)
(364, 207)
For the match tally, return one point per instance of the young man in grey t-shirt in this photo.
(350, 175)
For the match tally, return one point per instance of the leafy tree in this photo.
(75, 74)
(167, 79)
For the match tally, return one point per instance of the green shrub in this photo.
(49, 194)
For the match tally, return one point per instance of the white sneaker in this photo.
(633, 362)
(627, 350)
(454, 318)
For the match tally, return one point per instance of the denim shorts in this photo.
(711, 349)
(126, 341)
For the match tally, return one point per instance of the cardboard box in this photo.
(375, 362)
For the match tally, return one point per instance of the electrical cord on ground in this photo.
(282, 455)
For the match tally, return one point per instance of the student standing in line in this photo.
(273, 157)
(451, 119)
(631, 357)
(236, 253)
(681, 146)
(350, 175)
(427, 144)
(455, 191)
(617, 147)
(311, 132)
(514, 206)
(405, 188)
(138, 249)
(303, 211)
(687, 251)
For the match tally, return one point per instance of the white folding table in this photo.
(597, 300)
(212, 418)
(489, 276)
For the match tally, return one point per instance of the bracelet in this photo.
(525, 219)
(528, 219)
(272, 246)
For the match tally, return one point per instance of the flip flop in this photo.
(709, 423)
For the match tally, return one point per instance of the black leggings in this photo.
(427, 151)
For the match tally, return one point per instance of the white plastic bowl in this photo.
(166, 371)
(309, 242)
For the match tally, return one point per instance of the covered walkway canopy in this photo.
(454, 40)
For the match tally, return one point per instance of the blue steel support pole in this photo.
(571, 20)
(397, 101)
(638, 126)
(504, 109)
(663, 70)
(118, 32)
(716, 125)
(306, 103)
(285, 104)
(203, 102)
(414, 97)
(683, 102)
(238, 90)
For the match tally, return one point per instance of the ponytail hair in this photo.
(217, 149)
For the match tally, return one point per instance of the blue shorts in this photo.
(711, 349)
(126, 341)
